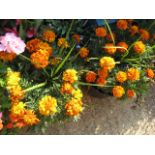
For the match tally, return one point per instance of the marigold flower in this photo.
(131, 93)
(101, 32)
(20, 124)
(90, 76)
(7, 56)
(74, 107)
(1, 125)
(109, 48)
(133, 30)
(77, 93)
(109, 37)
(122, 24)
(77, 38)
(30, 118)
(48, 105)
(9, 126)
(66, 88)
(62, 42)
(133, 74)
(101, 81)
(121, 77)
(139, 47)
(144, 34)
(118, 91)
(70, 75)
(107, 63)
(49, 36)
(32, 45)
(150, 73)
(10, 43)
(83, 52)
(103, 72)
(123, 45)
(39, 60)
(18, 109)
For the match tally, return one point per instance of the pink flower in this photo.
(30, 32)
(12, 44)
(1, 114)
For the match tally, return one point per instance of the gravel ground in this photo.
(105, 115)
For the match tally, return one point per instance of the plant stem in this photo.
(67, 34)
(90, 84)
(23, 56)
(35, 87)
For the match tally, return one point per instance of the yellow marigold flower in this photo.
(48, 105)
(70, 75)
(67, 88)
(101, 32)
(101, 81)
(83, 52)
(139, 47)
(76, 37)
(73, 107)
(103, 72)
(18, 109)
(39, 60)
(109, 48)
(12, 78)
(77, 93)
(121, 77)
(7, 56)
(131, 93)
(49, 36)
(107, 63)
(133, 74)
(118, 91)
(109, 37)
(150, 73)
(133, 30)
(144, 34)
(30, 118)
(123, 45)
(32, 45)
(90, 76)
(122, 24)
(16, 94)
(62, 42)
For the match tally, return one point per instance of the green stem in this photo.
(90, 84)
(35, 87)
(67, 34)
(23, 56)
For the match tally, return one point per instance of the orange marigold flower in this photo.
(7, 56)
(139, 47)
(101, 81)
(67, 88)
(109, 37)
(83, 52)
(90, 76)
(121, 77)
(145, 35)
(70, 75)
(9, 126)
(1, 125)
(30, 118)
(133, 74)
(32, 45)
(49, 36)
(150, 73)
(48, 105)
(103, 72)
(20, 124)
(74, 107)
(123, 45)
(131, 93)
(107, 63)
(133, 30)
(18, 109)
(62, 42)
(122, 24)
(109, 48)
(101, 32)
(77, 38)
(118, 91)
(39, 60)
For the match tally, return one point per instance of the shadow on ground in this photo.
(106, 115)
